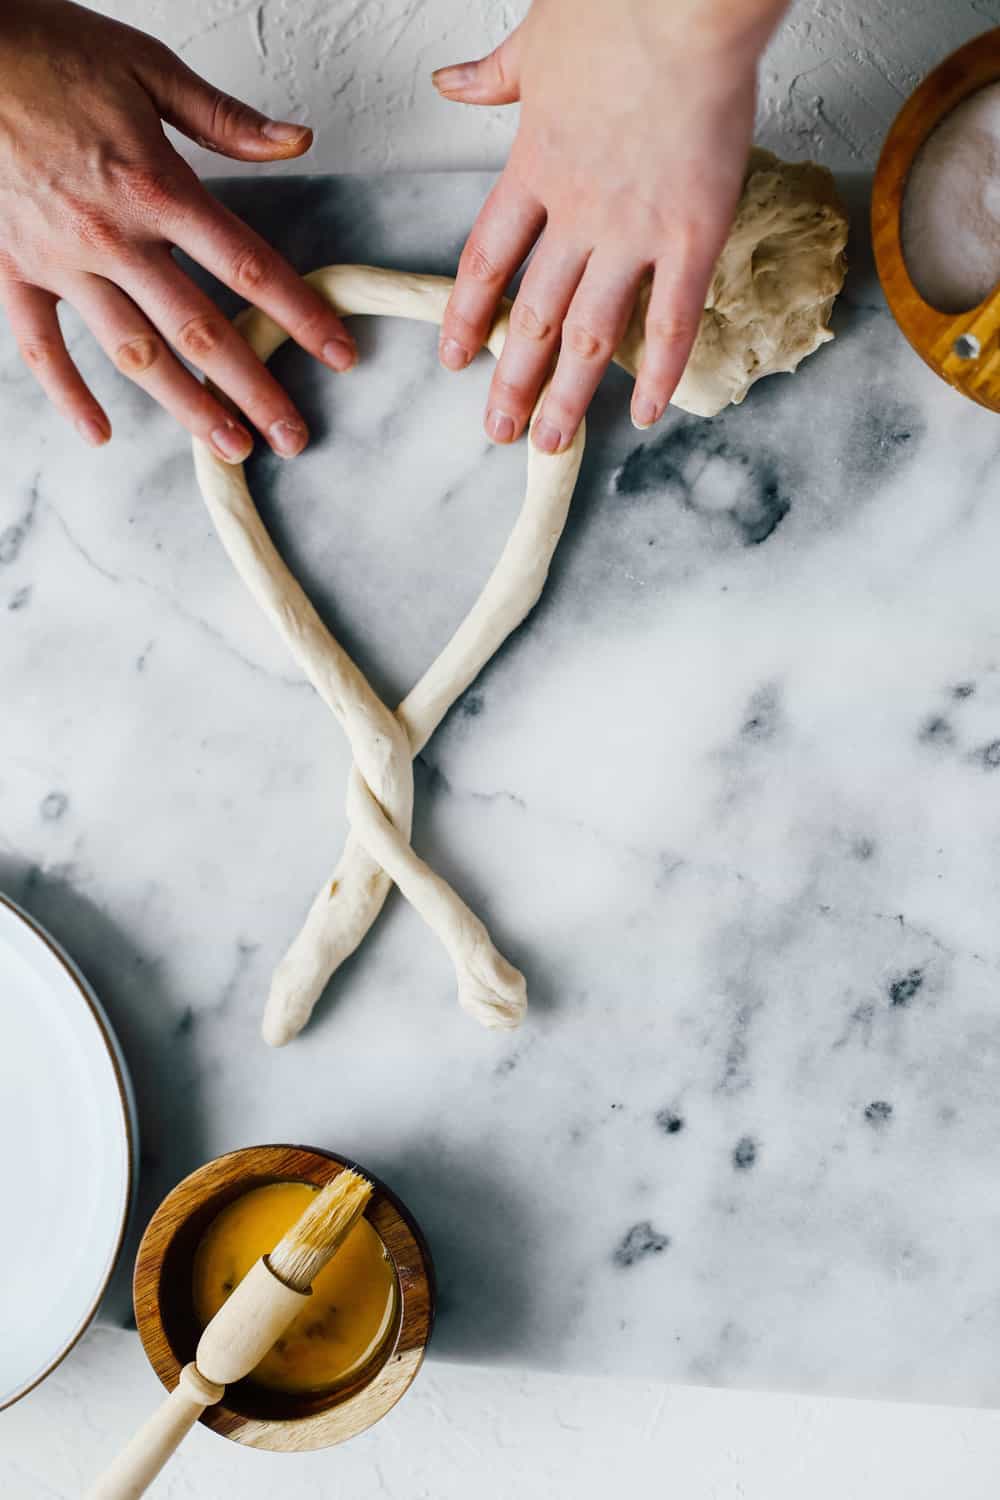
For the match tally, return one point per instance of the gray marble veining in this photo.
(730, 799)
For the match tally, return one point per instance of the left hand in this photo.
(93, 202)
(629, 158)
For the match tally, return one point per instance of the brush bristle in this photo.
(320, 1230)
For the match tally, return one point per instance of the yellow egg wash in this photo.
(353, 1304)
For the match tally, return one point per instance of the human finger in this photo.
(673, 317)
(129, 339)
(536, 318)
(212, 117)
(506, 227)
(34, 321)
(215, 238)
(593, 327)
(194, 326)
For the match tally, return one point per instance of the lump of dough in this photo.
(773, 288)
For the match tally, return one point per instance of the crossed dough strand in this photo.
(767, 308)
(380, 788)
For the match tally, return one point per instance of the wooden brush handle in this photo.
(135, 1468)
(246, 1326)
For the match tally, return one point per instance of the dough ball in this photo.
(773, 289)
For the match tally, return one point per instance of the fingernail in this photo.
(287, 438)
(339, 354)
(283, 132)
(499, 426)
(546, 438)
(456, 77)
(453, 356)
(644, 412)
(92, 431)
(232, 442)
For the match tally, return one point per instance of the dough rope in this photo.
(380, 787)
(767, 308)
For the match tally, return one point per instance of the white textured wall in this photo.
(357, 70)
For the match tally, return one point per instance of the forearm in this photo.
(707, 26)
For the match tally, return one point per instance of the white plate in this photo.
(68, 1153)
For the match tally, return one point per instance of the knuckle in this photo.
(229, 116)
(95, 229)
(38, 352)
(155, 53)
(456, 326)
(672, 332)
(155, 56)
(136, 356)
(511, 395)
(200, 336)
(150, 190)
(138, 182)
(252, 268)
(479, 265)
(585, 342)
(527, 322)
(316, 325)
(559, 403)
(562, 415)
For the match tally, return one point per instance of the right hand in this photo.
(630, 153)
(93, 198)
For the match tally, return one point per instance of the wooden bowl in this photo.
(962, 348)
(164, 1310)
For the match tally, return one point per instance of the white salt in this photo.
(950, 223)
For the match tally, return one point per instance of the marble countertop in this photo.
(730, 800)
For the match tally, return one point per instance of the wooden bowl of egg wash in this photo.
(284, 1299)
(936, 219)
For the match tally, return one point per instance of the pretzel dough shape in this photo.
(380, 786)
(768, 307)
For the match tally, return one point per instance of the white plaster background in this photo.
(357, 71)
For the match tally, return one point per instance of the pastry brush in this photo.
(252, 1319)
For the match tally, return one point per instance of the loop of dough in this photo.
(380, 789)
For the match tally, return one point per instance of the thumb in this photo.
(217, 120)
(495, 79)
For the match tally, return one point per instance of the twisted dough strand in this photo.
(380, 791)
